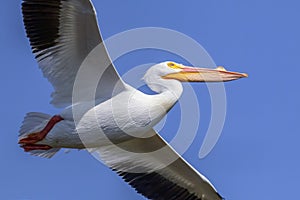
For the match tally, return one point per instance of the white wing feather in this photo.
(62, 33)
(151, 174)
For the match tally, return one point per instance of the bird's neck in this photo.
(169, 91)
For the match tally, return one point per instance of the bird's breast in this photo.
(122, 117)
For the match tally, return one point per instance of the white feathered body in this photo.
(129, 114)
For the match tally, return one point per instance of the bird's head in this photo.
(158, 75)
(172, 70)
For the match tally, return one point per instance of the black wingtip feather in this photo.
(41, 20)
(156, 187)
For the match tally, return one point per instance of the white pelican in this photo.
(62, 33)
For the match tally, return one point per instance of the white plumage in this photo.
(119, 128)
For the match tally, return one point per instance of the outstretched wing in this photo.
(156, 171)
(62, 33)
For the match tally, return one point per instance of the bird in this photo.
(119, 125)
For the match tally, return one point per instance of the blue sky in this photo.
(257, 154)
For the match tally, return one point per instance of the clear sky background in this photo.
(257, 156)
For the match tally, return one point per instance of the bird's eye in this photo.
(172, 65)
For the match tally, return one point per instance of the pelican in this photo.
(62, 33)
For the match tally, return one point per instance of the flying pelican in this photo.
(62, 33)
